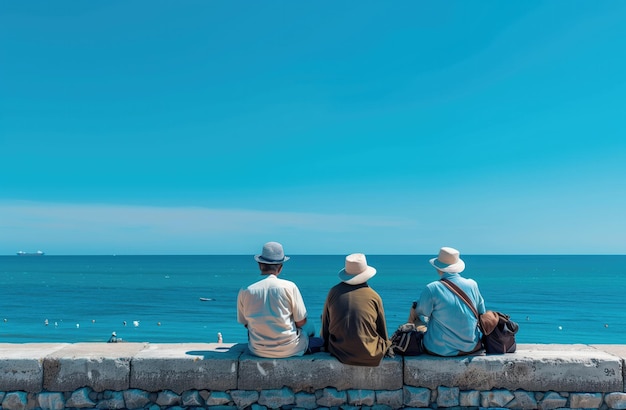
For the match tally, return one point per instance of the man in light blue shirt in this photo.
(452, 326)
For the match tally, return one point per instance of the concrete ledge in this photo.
(616, 350)
(230, 372)
(313, 372)
(97, 365)
(180, 367)
(21, 365)
(534, 367)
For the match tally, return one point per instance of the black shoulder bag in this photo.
(498, 329)
(406, 341)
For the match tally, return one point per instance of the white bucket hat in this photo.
(356, 270)
(448, 261)
(272, 254)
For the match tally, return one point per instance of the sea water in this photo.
(175, 299)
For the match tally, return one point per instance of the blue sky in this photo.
(211, 127)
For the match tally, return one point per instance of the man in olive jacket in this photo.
(353, 320)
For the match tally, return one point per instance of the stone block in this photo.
(616, 350)
(523, 400)
(33, 401)
(51, 401)
(361, 397)
(17, 400)
(331, 397)
(80, 399)
(552, 400)
(390, 398)
(191, 398)
(275, 399)
(101, 366)
(21, 365)
(217, 398)
(470, 398)
(167, 398)
(113, 400)
(136, 398)
(585, 400)
(533, 367)
(244, 398)
(496, 398)
(186, 366)
(447, 396)
(416, 396)
(314, 372)
(616, 401)
(305, 400)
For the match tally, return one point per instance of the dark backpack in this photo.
(407, 341)
(499, 339)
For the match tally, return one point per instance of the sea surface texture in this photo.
(176, 299)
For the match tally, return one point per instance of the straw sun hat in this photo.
(448, 261)
(356, 270)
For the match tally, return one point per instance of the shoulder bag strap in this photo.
(456, 290)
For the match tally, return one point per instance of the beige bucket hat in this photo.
(356, 270)
(448, 261)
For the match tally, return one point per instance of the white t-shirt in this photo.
(270, 308)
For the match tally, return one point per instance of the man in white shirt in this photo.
(273, 310)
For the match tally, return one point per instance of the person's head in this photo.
(448, 261)
(271, 258)
(356, 270)
(270, 269)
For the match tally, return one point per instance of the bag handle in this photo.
(485, 325)
(457, 290)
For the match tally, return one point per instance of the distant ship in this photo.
(38, 253)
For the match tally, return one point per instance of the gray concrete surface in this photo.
(226, 367)
(185, 366)
(534, 367)
(101, 366)
(313, 372)
(21, 365)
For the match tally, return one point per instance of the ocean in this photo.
(159, 299)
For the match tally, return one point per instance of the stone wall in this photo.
(226, 376)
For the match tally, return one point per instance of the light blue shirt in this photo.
(452, 327)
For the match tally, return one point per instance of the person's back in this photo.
(353, 321)
(452, 326)
(273, 310)
(270, 308)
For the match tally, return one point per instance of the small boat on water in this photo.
(206, 299)
(38, 253)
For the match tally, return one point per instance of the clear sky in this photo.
(211, 127)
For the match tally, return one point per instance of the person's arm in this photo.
(241, 318)
(381, 322)
(425, 303)
(325, 324)
(480, 305)
(298, 309)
